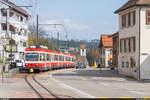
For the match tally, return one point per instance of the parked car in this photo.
(81, 65)
(20, 64)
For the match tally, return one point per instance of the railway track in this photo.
(37, 87)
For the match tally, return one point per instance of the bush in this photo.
(1, 61)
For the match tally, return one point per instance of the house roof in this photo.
(83, 46)
(132, 3)
(106, 40)
(18, 9)
(115, 34)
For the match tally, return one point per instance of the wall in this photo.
(125, 33)
(144, 46)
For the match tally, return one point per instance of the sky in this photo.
(83, 19)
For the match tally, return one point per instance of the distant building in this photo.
(105, 48)
(134, 39)
(115, 37)
(83, 50)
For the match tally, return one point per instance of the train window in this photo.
(56, 57)
(48, 57)
(67, 58)
(52, 57)
(32, 56)
(63, 58)
(42, 57)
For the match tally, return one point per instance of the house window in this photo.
(127, 45)
(134, 18)
(134, 44)
(148, 17)
(4, 26)
(122, 45)
(127, 64)
(122, 64)
(11, 14)
(132, 62)
(21, 18)
(129, 19)
(124, 20)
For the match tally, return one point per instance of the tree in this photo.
(93, 54)
(33, 30)
(41, 40)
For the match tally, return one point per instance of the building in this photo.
(105, 47)
(134, 29)
(15, 33)
(115, 37)
(83, 50)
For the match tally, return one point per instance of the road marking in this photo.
(146, 97)
(71, 88)
(137, 92)
(103, 98)
(125, 98)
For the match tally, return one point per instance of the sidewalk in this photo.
(9, 74)
(105, 75)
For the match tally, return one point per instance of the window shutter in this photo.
(123, 21)
(148, 17)
(125, 47)
(120, 45)
(134, 18)
(134, 44)
(129, 45)
(129, 19)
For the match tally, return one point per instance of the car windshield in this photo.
(32, 56)
(18, 61)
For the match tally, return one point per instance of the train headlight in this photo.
(36, 64)
(27, 64)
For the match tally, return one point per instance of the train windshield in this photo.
(32, 56)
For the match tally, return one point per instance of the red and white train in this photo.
(41, 59)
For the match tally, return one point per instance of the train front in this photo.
(31, 60)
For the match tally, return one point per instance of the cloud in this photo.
(68, 23)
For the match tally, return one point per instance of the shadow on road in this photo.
(106, 74)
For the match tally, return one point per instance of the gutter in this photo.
(5, 3)
(139, 42)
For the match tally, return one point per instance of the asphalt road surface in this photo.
(91, 83)
(78, 83)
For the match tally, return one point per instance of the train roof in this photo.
(49, 51)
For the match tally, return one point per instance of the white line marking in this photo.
(137, 92)
(71, 88)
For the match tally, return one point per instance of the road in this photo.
(80, 83)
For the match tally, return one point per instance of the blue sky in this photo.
(84, 19)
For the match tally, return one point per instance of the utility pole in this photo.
(58, 40)
(37, 30)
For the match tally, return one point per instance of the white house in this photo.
(134, 39)
(105, 46)
(16, 28)
(83, 50)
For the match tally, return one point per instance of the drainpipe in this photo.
(139, 42)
